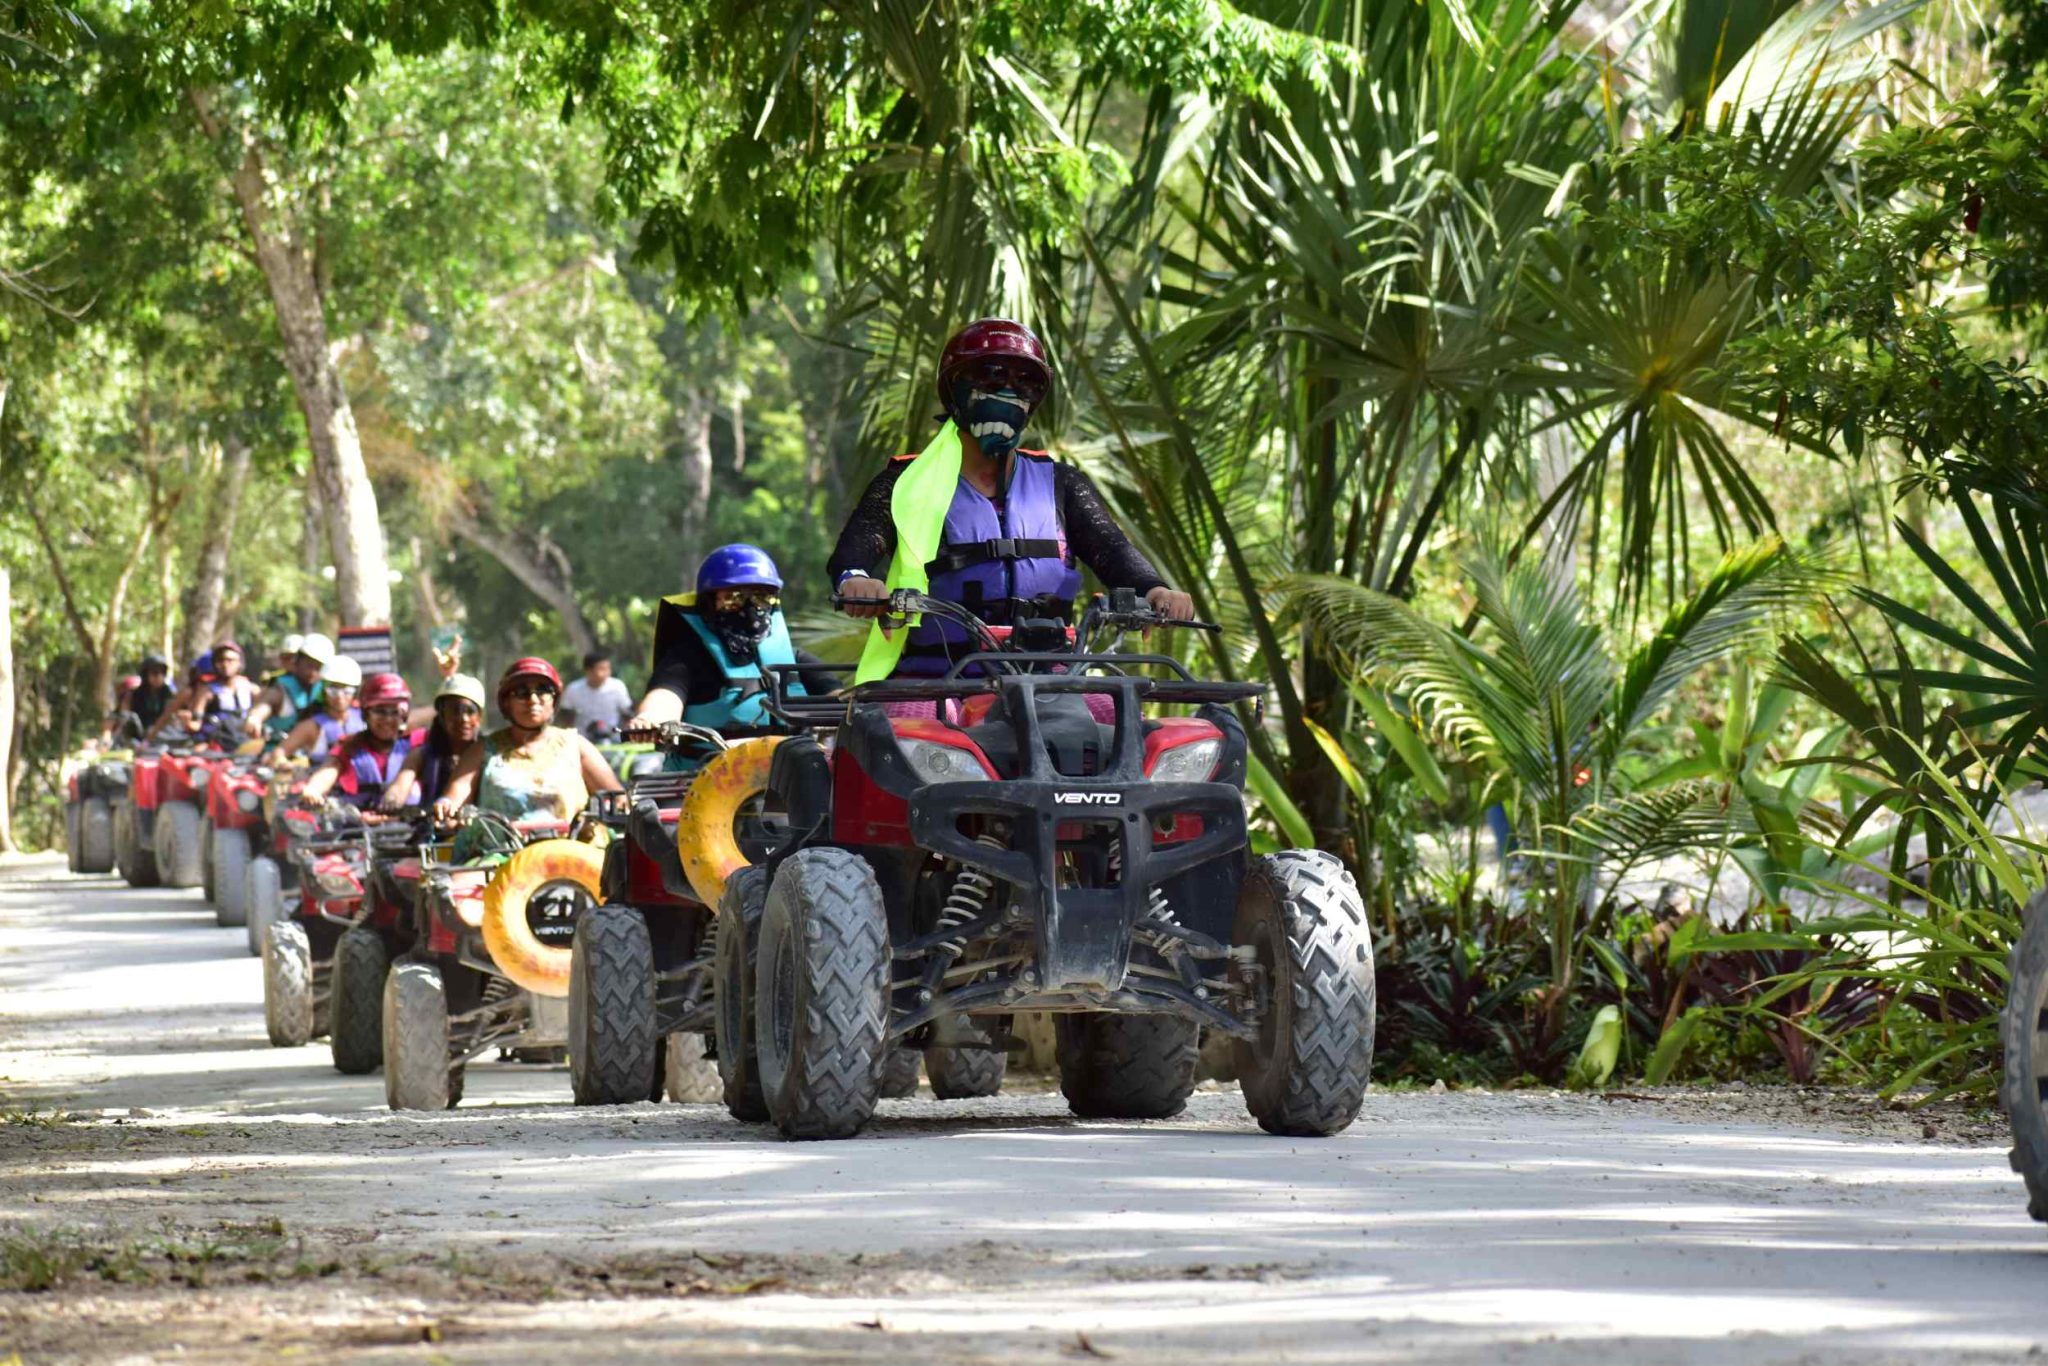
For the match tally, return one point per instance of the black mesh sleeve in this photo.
(1095, 537)
(869, 537)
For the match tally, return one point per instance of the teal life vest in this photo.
(742, 701)
(300, 697)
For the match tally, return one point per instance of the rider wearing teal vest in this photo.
(715, 648)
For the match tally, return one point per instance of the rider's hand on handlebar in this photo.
(1171, 604)
(863, 597)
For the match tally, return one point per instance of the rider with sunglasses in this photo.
(531, 769)
(458, 722)
(1016, 524)
(365, 766)
(713, 648)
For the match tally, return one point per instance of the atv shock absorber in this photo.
(966, 902)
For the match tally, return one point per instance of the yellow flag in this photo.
(917, 505)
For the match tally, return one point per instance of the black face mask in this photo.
(741, 630)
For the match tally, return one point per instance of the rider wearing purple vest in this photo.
(364, 764)
(1021, 523)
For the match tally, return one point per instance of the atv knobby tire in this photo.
(959, 1062)
(180, 854)
(230, 876)
(287, 985)
(821, 1005)
(899, 1073)
(1126, 1066)
(1301, 913)
(688, 1073)
(95, 836)
(72, 844)
(136, 861)
(612, 1038)
(262, 899)
(2025, 1035)
(736, 953)
(355, 1001)
(206, 859)
(417, 1074)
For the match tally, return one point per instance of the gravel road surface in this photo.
(173, 1188)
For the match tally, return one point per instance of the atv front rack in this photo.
(1183, 689)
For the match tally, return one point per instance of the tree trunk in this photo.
(100, 650)
(428, 615)
(361, 573)
(738, 418)
(693, 430)
(312, 540)
(210, 581)
(6, 708)
(542, 567)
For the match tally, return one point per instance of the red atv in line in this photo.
(94, 785)
(488, 949)
(158, 838)
(2024, 1026)
(235, 829)
(325, 959)
(1037, 843)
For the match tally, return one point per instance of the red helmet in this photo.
(530, 667)
(382, 690)
(996, 343)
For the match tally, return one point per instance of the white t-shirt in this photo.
(609, 702)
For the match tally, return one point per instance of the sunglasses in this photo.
(1026, 380)
(528, 692)
(727, 598)
(463, 708)
(392, 711)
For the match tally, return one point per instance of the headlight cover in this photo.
(937, 763)
(249, 800)
(1193, 762)
(201, 777)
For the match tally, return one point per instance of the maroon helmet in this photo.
(995, 349)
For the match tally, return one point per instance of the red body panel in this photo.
(863, 813)
(220, 798)
(142, 787)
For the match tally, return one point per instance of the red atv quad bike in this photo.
(316, 978)
(94, 785)
(1037, 843)
(236, 830)
(2025, 1030)
(641, 968)
(157, 835)
(272, 874)
(488, 950)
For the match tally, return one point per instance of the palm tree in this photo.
(1552, 704)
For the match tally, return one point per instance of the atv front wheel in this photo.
(136, 861)
(95, 836)
(1126, 1066)
(960, 1062)
(612, 1040)
(262, 899)
(689, 1075)
(822, 994)
(230, 876)
(355, 1001)
(2025, 1031)
(417, 1075)
(179, 852)
(73, 845)
(205, 842)
(287, 985)
(735, 960)
(1302, 916)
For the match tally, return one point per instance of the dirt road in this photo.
(208, 1198)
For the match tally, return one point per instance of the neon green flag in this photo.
(917, 505)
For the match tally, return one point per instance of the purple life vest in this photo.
(365, 772)
(1003, 562)
(333, 732)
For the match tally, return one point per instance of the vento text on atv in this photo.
(1036, 843)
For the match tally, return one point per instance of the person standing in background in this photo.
(597, 696)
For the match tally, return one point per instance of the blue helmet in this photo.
(737, 566)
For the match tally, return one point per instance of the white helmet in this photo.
(291, 644)
(343, 672)
(317, 647)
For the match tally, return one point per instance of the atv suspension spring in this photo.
(1160, 911)
(967, 899)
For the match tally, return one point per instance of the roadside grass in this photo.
(36, 1118)
(36, 1260)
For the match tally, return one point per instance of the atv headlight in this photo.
(200, 778)
(937, 763)
(1189, 763)
(248, 800)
